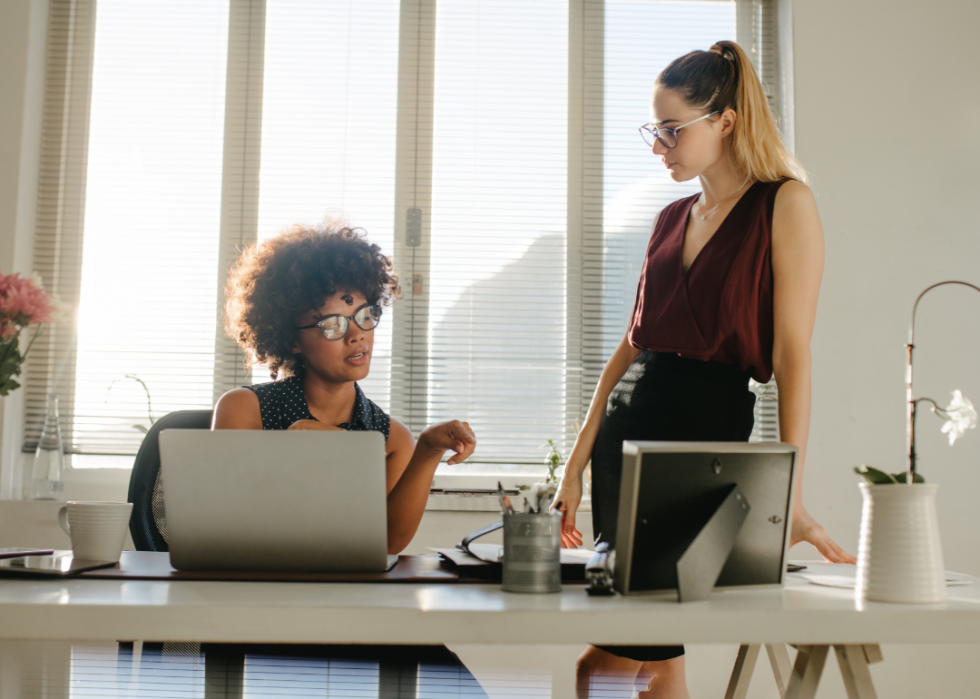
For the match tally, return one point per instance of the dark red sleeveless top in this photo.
(721, 310)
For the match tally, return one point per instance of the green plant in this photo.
(958, 417)
(876, 477)
(553, 461)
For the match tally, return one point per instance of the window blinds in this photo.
(328, 129)
(144, 271)
(490, 147)
(59, 229)
(496, 290)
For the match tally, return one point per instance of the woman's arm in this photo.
(569, 494)
(797, 262)
(410, 468)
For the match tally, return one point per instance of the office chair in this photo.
(148, 525)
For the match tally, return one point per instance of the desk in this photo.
(802, 613)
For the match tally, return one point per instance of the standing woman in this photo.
(728, 292)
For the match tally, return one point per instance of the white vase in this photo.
(900, 556)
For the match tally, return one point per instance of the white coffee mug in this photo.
(97, 529)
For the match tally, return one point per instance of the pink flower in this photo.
(23, 302)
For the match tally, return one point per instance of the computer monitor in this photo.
(696, 515)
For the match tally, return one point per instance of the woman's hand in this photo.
(567, 500)
(454, 435)
(314, 425)
(805, 528)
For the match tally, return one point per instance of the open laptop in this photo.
(275, 500)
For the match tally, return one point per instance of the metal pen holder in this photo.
(532, 553)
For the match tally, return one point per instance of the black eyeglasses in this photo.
(668, 137)
(334, 327)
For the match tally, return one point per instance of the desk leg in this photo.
(806, 672)
(35, 669)
(738, 685)
(782, 669)
(134, 669)
(396, 679)
(853, 661)
(872, 651)
(224, 672)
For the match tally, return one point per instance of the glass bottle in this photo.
(47, 476)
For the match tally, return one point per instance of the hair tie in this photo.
(721, 52)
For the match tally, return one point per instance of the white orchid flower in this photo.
(63, 313)
(960, 416)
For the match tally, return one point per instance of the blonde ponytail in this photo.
(724, 78)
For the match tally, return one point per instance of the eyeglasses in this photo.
(668, 137)
(334, 327)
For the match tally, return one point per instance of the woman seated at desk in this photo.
(306, 304)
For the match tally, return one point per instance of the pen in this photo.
(503, 498)
(527, 507)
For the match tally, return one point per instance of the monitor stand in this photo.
(700, 565)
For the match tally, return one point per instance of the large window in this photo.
(328, 129)
(496, 303)
(490, 147)
(146, 310)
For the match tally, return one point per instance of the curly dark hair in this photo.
(278, 280)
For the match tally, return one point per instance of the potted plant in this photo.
(900, 556)
(544, 491)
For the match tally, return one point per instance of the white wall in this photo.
(888, 123)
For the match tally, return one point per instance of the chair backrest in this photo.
(148, 524)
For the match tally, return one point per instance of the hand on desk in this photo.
(805, 528)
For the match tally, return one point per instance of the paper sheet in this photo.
(490, 553)
(849, 582)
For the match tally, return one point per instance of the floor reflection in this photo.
(189, 670)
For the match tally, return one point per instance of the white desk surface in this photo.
(109, 610)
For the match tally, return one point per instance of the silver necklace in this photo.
(701, 211)
(714, 208)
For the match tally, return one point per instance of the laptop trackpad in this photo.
(392, 560)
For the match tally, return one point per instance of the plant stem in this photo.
(14, 341)
(31, 343)
(909, 395)
(149, 404)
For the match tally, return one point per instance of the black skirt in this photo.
(663, 397)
